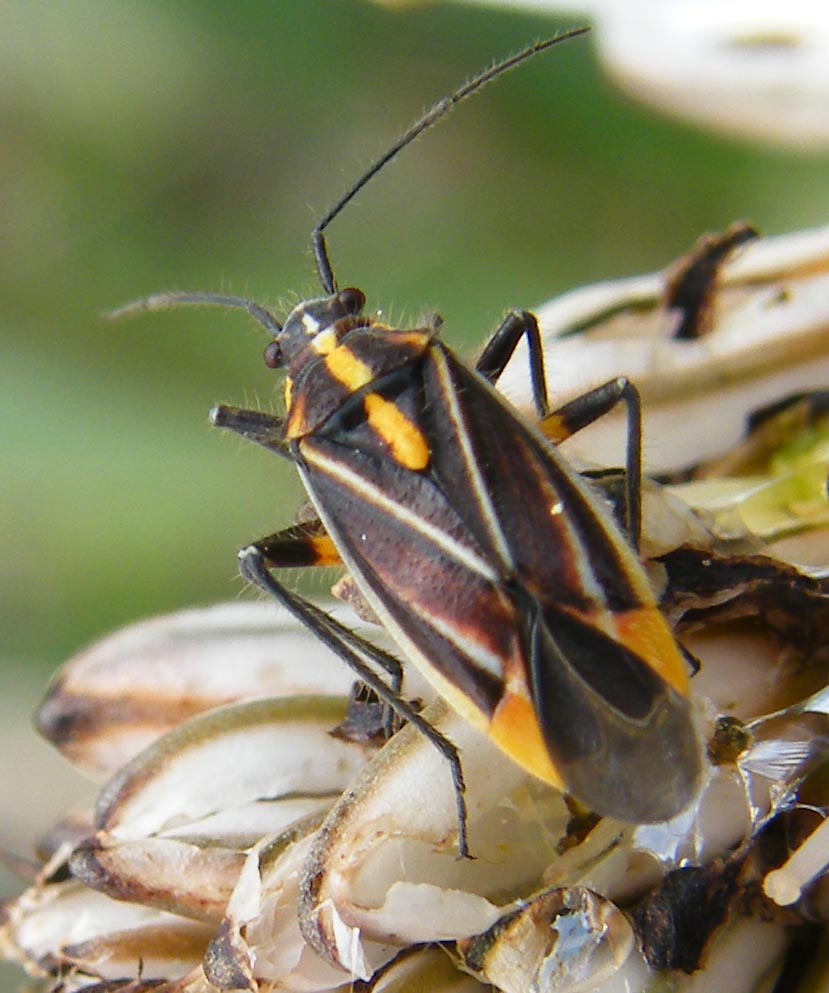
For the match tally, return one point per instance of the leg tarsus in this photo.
(694, 664)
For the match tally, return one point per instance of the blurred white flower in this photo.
(757, 69)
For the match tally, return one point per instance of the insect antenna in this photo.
(167, 301)
(432, 116)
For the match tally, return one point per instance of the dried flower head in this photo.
(237, 844)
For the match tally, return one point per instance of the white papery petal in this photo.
(387, 845)
(117, 696)
(230, 757)
(67, 924)
(770, 338)
(754, 68)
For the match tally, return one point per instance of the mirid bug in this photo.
(494, 566)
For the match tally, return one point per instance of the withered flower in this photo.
(237, 844)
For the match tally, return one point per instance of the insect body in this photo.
(493, 565)
(490, 561)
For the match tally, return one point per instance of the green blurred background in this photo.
(152, 145)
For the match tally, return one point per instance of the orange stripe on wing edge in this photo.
(514, 729)
(645, 632)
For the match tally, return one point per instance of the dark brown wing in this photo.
(505, 579)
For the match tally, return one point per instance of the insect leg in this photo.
(589, 407)
(357, 653)
(255, 425)
(307, 545)
(691, 281)
(302, 545)
(299, 547)
(499, 350)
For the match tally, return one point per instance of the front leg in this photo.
(255, 425)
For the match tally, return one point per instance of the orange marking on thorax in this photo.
(296, 423)
(325, 342)
(407, 443)
(344, 366)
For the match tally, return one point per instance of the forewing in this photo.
(505, 579)
(413, 556)
(607, 680)
(621, 737)
(536, 516)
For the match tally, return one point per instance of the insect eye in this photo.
(273, 355)
(353, 300)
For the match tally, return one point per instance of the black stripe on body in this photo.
(448, 542)
(564, 547)
(498, 570)
(423, 567)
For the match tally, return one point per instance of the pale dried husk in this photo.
(242, 847)
(768, 338)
